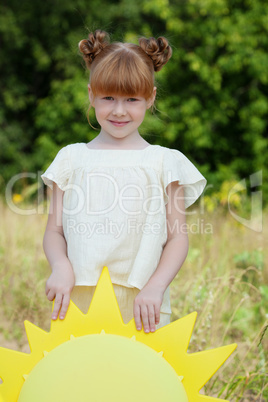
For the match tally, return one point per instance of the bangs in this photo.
(122, 73)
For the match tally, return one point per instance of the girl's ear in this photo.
(90, 95)
(151, 100)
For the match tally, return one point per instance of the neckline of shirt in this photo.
(106, 149)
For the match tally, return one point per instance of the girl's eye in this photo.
(132, 99)
(109, 98)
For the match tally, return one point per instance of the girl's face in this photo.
(120, 116)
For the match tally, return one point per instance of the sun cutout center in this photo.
(106, 368)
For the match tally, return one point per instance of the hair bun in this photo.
(92, 46)
(157, 49)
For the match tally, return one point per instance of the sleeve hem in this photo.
(59, 170)
(192, 191)
(49, 182)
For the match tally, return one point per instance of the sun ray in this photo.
(176, 336)
(35, 335)
(104, 304)
(203, 365)
(104, 318)
(12, 383)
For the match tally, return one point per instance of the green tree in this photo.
(212, 95)
(217, 83)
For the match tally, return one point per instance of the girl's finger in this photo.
(137, 316)
(64, 305)
(151, 316)
(145, 318)
(157, 315)
(57, 306)
(51, 295)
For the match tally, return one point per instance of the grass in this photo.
(224, 279)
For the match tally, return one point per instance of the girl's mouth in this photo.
(118, 123)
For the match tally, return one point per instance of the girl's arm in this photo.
(61, 281)
(148, 301)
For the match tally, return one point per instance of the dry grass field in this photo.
(224, 279)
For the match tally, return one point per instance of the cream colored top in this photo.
(114, 208)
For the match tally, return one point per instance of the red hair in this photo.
(123, 68)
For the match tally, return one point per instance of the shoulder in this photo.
(76, 147)
(165, 150)
(175, 163)
(72, 152)
(169, 154)
(62, 166)
(176, 167)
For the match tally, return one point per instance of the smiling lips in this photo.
(118, 123)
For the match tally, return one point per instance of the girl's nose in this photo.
(119, 108)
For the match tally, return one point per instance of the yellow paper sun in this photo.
(96, 357)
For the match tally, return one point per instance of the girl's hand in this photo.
(147, 306)
(59, 287)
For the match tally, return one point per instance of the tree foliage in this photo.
(212, 96)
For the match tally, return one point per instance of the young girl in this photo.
(118, 201)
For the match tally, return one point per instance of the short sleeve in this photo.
(176, 167)
(59, 170)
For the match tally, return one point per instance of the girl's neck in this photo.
(104, 141)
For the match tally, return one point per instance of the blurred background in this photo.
(212, 104)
